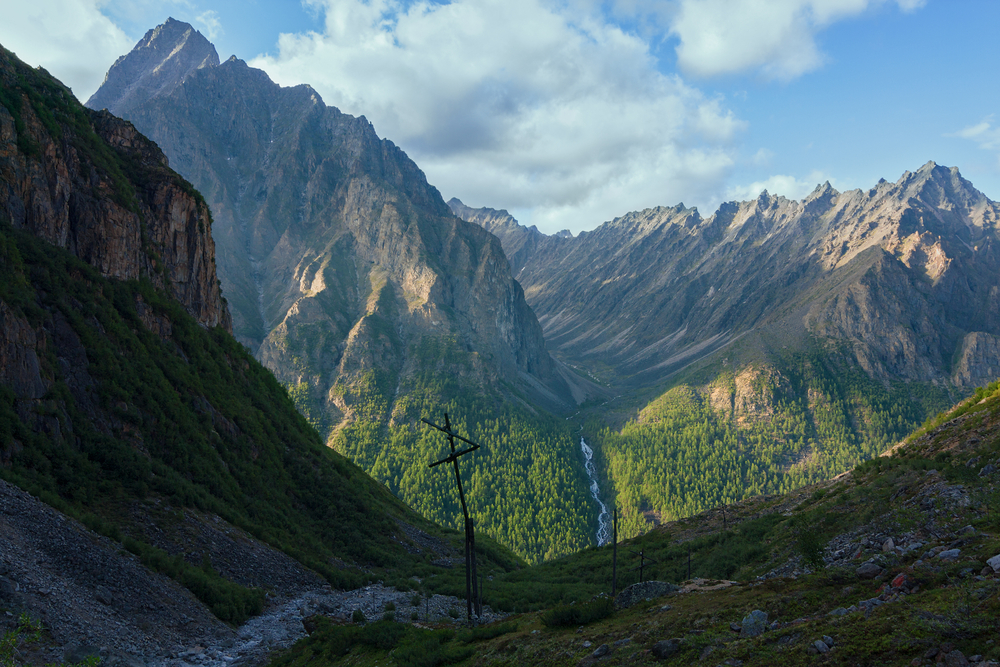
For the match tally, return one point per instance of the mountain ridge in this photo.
(635, 265)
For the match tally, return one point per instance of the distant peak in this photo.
(158, 63)
(564, 234)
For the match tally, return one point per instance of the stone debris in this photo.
(643, 591)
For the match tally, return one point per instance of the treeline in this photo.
(794, 423)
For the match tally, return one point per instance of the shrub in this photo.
(810, 547)
(580, 614)
(486, 632)
(358, 616)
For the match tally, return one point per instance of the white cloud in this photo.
(983, 133)
(517, 104)
(72, 40)
(774, 37)
(779, 184)
(209, 20)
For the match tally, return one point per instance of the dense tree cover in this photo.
(526, 487)
(192, 418)
(803, 419)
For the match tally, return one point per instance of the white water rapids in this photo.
(604, 518)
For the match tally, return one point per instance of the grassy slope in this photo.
(792, 556)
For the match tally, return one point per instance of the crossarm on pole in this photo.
(454, 456)
(446, 431)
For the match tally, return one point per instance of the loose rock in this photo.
(755, 624)
(868, 571)
(666, 648)
(994, 563)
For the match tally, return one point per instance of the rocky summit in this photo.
(904, 275)
(345, 270)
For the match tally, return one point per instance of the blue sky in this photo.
(571, 113)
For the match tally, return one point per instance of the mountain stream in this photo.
(604, 518)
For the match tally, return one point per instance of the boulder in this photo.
(868, 571)
(755, 624)
(644, 590)
(994, 563)
(666, 648)
(955, 659)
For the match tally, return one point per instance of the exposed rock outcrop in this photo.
(61, 178)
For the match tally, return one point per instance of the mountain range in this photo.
(905, 275)
(772, 344)
(172, 487)
(375, 305)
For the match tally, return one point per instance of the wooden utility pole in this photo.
(471, 581)
(642, 563)
(614, 554)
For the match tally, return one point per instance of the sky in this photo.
(570, 113)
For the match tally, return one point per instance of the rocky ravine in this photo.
(345, 269)
(905, 274)
(94, 598)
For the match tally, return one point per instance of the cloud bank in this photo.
(517, 104)
(777, 38)
(72, 40)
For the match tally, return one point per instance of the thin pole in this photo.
(614, 555)
(470, 538)
(469, 563)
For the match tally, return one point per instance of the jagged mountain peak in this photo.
(158, 63)
(669, 293)
(821, 191)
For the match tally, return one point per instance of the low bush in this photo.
(578, 614)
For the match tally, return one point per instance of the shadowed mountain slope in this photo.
(339, 259)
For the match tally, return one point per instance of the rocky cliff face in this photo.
(90, 183)
(905, 274)
(345, 270)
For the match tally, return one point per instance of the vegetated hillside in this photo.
(768, 427)
(774, 343)
(895, 562)
(126, 403)
(352, 281)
